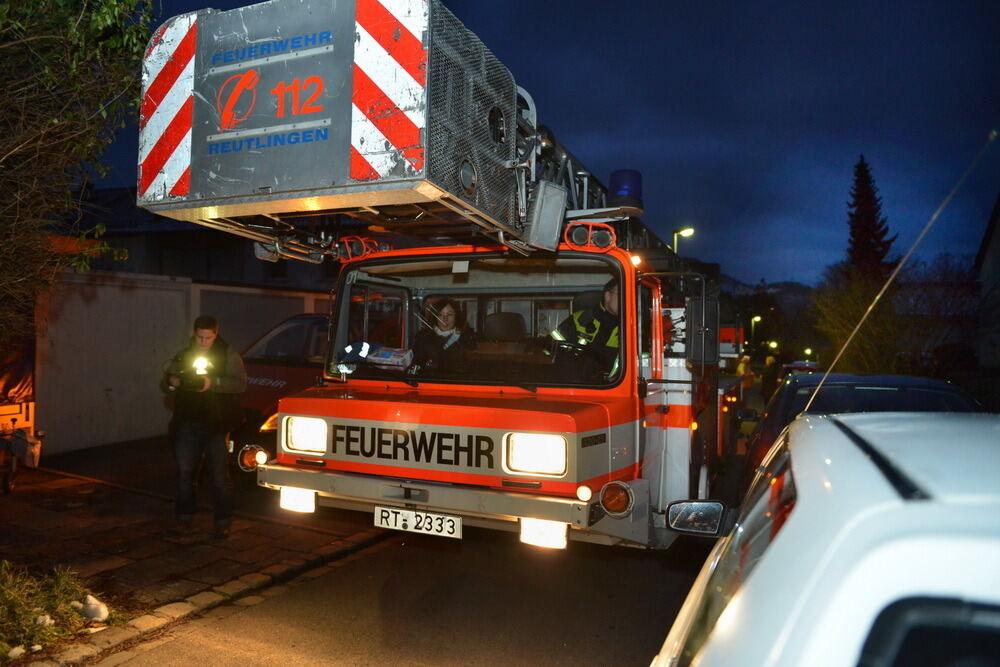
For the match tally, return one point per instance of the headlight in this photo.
(305, 434)
(535, 454)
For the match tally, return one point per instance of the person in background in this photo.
(769, 378)
(744, 371)
(205, 379)
(440, 344)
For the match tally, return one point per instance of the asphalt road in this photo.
(430, 601)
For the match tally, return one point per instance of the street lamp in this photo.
(808, 352)
(753, 325)
(685, 232)
(773, 345)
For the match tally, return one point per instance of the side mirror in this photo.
(699, 518)
(747, 415)
(702, 334)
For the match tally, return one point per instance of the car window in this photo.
(284, 343)
(777, 414)
(299, 340)
(316, 343)
(768, 504)
(927, 632)
(859, 398)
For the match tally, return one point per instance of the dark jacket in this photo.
(432, 351)
(217, 407)
(769, 380)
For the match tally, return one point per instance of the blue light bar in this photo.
(626, 188)
(626, 183)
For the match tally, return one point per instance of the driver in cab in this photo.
(440, 346)
(593, 334)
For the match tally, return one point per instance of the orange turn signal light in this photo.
(250, 457)
(617, 499)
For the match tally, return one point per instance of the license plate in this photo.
(419, 522)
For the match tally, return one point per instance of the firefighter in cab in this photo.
(589, 337)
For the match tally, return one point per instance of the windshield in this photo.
(790, 400)
(491, 319)
(834, 398)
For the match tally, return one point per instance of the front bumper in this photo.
(364, 492)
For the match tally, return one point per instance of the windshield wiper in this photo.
(520, 385)
(383, 374)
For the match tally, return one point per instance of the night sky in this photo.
(746, 118)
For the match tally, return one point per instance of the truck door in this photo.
(652, 433)
(667, 412)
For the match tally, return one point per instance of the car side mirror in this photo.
(700, 518)
(747, 415)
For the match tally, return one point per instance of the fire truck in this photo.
(317, 131)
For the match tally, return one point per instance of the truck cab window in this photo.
(645, 316)
(376, 315)
(497, 323)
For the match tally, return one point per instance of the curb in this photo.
(107, 640)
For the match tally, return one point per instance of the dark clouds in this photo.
(746, 118)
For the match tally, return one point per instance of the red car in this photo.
(284, 361)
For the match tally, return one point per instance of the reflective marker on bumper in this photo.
(297, 500)
(544, 533)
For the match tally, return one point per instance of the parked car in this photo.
(285, 360)
(797, 367)
(866, 539)
(851, 393)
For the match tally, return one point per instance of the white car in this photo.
(864, 539)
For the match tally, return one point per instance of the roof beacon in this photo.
(626, 189)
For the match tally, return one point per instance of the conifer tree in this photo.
(849, 286)
(868, 246)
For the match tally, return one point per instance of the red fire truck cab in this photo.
(516, 430)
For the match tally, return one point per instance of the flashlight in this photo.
(200, 366)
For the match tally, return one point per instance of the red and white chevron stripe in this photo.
(167, 110)
(390, 75)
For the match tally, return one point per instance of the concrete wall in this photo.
(103, 339)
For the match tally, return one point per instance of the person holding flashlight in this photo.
(205, 379)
